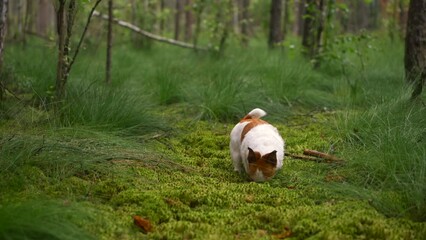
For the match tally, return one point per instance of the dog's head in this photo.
(261, 168)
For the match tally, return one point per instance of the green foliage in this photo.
(41, 220)
(106, 108)
(182, 180)
(387, 151)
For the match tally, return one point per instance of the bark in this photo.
(308, 37)
(198, 12)
(275, 30)
(162, 7)
(178, 14)
(300, 12)
(415, 46)
(188, 20)
(226, 28)
(3, 28)
(245, 20)
(61, 65)
(286, 18)
(313, 28)
(44, 17)
(109, 44)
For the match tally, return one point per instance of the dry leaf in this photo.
(142, 223)
(285, 234)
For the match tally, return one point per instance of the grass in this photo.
(155, 144)
(41, 220)
(386, 148)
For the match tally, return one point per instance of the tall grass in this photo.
(41, 220)
(110, 109)
(387, 151)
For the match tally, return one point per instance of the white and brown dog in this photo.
(257, 147)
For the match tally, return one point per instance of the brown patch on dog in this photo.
(266, 164)
(252, 123)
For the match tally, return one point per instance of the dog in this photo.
(257, 147)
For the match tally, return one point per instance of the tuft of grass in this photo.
(41, 220)
(386, 147)
(109, 109)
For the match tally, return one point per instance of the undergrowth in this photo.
(155, 143)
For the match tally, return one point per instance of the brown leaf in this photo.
(142, 223)
(285, 234)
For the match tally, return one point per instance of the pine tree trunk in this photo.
(65, 21)
(245, 22)
(178, 14)
(60, 70)
(286, 18)
(3, 28)
(308, 37)
(188, 20)
(109, 44)
(275, 30)
(299, 6)
(415, 46)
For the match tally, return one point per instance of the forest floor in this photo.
(183, 184)
(148, 156)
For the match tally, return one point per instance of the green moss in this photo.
(186, 187)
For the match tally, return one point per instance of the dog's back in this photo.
(256, 146)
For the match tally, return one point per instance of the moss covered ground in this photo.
(182, 182)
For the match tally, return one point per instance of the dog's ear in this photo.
(271, 158)
(251, 156)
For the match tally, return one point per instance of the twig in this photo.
(325, 156)
(302, 157)
(10, 92)
(148, 34)
(82, 35)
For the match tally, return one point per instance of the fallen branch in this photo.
(148, 34)
(329, 158)
(302, 157)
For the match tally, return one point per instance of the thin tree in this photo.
(286, 18)
(245, 20)
(178, 14)
(63, 58)
(3, 25)
(415, 46)
(109, 43)
(188, 20)
(275, 29)
(313, 28)
(65, 15)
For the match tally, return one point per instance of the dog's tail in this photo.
(255, 113)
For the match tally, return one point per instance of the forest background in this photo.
(115, 116)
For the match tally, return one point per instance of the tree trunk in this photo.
(275, 30)
(313, 28)
(188, 20)
(65, 20)
(245, 19)
(286, 18)
(198, 12)
(308, 37)
(109, 44)
(60, 70)
(178, 14)
(3, 28)
(300, 12)
(162, 7)
(415, 46)
(44, 17)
